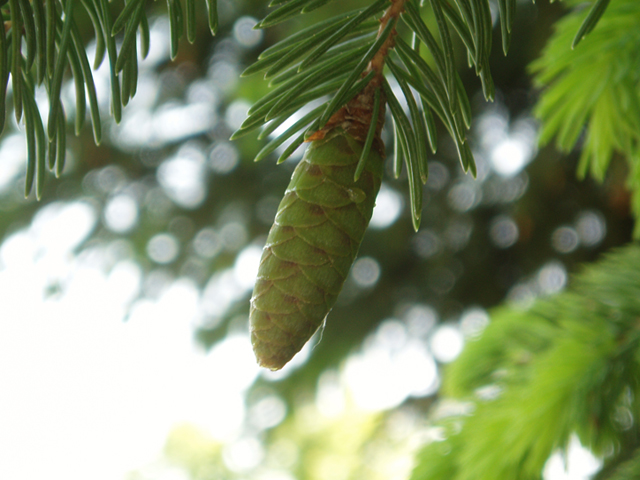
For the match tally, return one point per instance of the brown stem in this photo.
(356, 116)
(390, 15)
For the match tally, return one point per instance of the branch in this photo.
(356, 116)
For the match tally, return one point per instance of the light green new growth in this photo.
(569, 365)
(591, 95)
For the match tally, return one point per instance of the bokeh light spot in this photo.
(13, 151)
(183, 178)
(438, 176)
(426, 243)
(61, 227)
(591, 228)
(446, 343)
(420, 319)
(388, 208)
(552, 278)
(244, 33)
(224, 75)
(236, 113)
(224, 158)
(503, 231)
(233, 235)
(268, 412)
(473, 322)
(565, 239)
(121, 213)
(391, 368)
(330, 398)
(510, 156)
(111, 178)
(243, 454)
(366, 271)
(207, 243)
(163, 248)
(577, 463)
(245, 269)
(464, 196)
(458, 233)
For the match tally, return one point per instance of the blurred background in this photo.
(124, 293)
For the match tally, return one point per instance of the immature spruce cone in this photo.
(311, 246)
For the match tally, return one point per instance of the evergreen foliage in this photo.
(592, 99)
(328, 58)
(53, 45)
(335, 55)
(568, 365)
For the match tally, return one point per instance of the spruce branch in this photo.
(313, 61)
(317, 57)
(600, 112)
(340, 57)
(54, 49)
(534, 378)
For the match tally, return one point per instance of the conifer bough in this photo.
(322, 218)
(343, 56)
(41, 43)
(327, 206)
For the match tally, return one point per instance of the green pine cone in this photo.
(311, 246)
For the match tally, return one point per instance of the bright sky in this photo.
(84, 394)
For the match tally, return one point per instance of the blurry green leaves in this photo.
(40, 42)
(568, 365)
(628, 470)
(597, 84)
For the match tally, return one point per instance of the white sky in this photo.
(84, 394)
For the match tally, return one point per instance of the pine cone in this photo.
(311, 246)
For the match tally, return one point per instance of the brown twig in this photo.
(355, 117)
(377, 62)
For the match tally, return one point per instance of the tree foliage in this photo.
(599, 111)
(54, 45)
(567, 365)
(327, 57)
